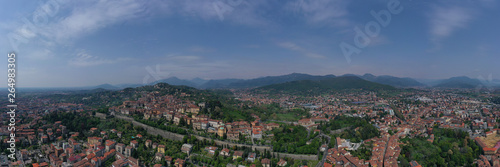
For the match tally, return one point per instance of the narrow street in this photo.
(323, 159)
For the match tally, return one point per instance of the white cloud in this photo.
(90, 16)
(243, 12)
(201, 49)
(291, 46)
(314, 55)
(191, 66)
(83, 59)
(295, 47)
(86, 17)
(330, 12)
(444, 21)
(197, 8)
(378, 40)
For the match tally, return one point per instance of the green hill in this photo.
(325, 85)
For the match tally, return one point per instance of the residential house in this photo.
(148, 143)
(237, 154)
(110, 145)
(168, 159)
(128, 151)
(224, 152)
(251, 157)
(266, 162)
(282, 162)
(179, 162)
(186, 148)
(158, 157)
(134, 143)
(120, 148)
(161, 149)
(211, 149)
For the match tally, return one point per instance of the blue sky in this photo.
(80, 43)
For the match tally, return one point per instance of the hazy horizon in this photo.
(61, 43)
(421, 80)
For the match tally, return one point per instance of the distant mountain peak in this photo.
(459, 82)
(104, 86)
(369, 75)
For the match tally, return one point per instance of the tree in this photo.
(258, 163)
(182, 122)
(216, 154)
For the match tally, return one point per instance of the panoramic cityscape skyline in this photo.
(63, 43)
(250, 83)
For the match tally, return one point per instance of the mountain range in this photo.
(242, 83)
(269, 80)
(398, 82)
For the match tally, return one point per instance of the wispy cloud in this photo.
(321, 12)
(89, 16)
(313, 55)
(192, 66)
(83, 59)
(197, 8)
(201, 49)
(85, 17)
(244, 12)
(294, 47)
(291, 46)
(444, 21)
(379, 40)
